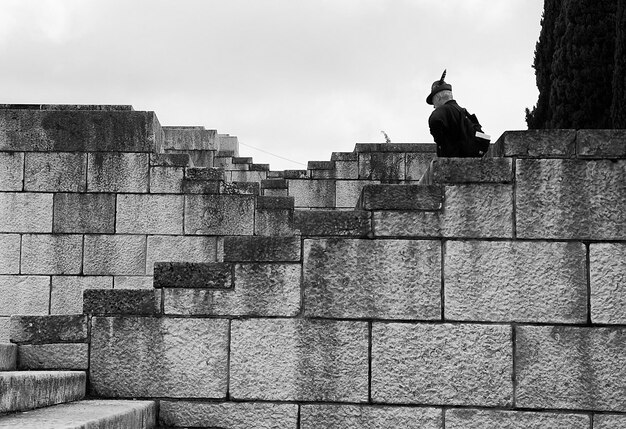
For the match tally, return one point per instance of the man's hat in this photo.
(438, 85)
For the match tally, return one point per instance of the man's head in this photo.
(438, 86)
(442, 97)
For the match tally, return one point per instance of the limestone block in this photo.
(402, 197)
(469, 170)
(163, 248)
(274, 183)
(274, 203)
(204, 173)
(5, 329)
(353, 223)
(239, 188)
(169, 159)
(276, 193)
(232, 415)
(536, 144)
(148, 357)
(553, 196)
(515, 281)
(219, 214)
(609, 421)
(10, 253)
(189, 138)
(442, 364)
(601, 143)
(67, 292)
(205, 275)
(349, 191)
(132, 282)
(570, 367)
(8, 356)
(479, 419)
(368, 417)
(469, 211)
(84, 213)
(24, 295)
(105, 302)
(260, 290)
(166, 180)
(51, 253)
(55, 172)
(312, 193)
(117, 172)
(11, 171)
(299, 360)
(53, 356)
(295, 174)
(247, 176)
(417, 164)
(388, 167)
(262, 249)
(25, 212)
(383, 279)
(607, 266)
(49, 329)
(191, 186)
(346, 166)
(274, 223)
(149, 214)
(115, 255)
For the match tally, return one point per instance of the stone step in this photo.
(92, 414)
(209, 275)
(8, 357)
(455, 171)
(25, 390)
(401, 197)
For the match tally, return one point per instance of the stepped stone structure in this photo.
(152, 277)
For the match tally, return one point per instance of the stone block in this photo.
(163, 248)
(49, 329)
(417, 164)
(347, 169)
(166, 180)
(260, 290)
(10, 253)
(295, 174)
(204, 173)
(349, 191)
(299, 360)
(601, 144)
(219, 214)
(312, 193)
(442, 364)
(274, 203)
(469, 170)
(67, 292)
(118, 172)
(536, 144)
(354, 223)
(514, 281)
(383, 279)
(169, 160)
(189, 138)
(115, 255)
(239, 188)
(191, 186)
(262, 249)
(552, 197)
(11, 171)
(607, 267)
(51, 254)
(232, 415)
(201, 158)
(24, 295)
(207, 275)
(402, 197)
(388, 167)
(152, 357)
(609, 421)
(479, 419)
(149, 214)
(469, 211)
(5, 329)
(84, 213)
(395, 147)
(132, 282)
(276, 193)
(53, 356)
(274, 183)
(106, 302)
(228, 143)
(8, 356)
(565, 367)
(247, 176)
(368, 417)
(25, 212)
(274, 223)
(55, 172)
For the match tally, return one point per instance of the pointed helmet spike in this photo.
(443, 76)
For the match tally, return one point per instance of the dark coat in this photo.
(446, 127)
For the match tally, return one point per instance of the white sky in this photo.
(297, 78)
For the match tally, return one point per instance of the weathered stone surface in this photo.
(219, 214)
(228, 143)
(607, 267)
(274, 203)
(276, 193)
(246, 176)
(299, 360)
(369, 417)
(8, 356)
(67, 292)
(536, 144)
(190, 138)
(295, 174)
(515, 281)
(11, 171)
(132, 282)
(386, 279)
(274, 183)
(349, 191)
(570, 367)
(166, 180)
(51, 253)
(417, 164)
(204, 173)
(180, 249)
(55, 172)
(207, 275)
(5, 329)
(25, 212)
(469, 211)
(601, 143)
(24, 295)
(169, 160)
(10, 253)
(201, 186)
(442, 364)
(402, 197)
(149, 214)
(351, 223)
(148, 357)
(609, 421)
(232, 415)
(49, 329)
(118, 172)
(84, 213)
(53, 356)
(553, 196)
(104, 302)
(262, 249)
(347, 169)
(240, 188)
(388, 167)
(312, 193)
(469, 170)
(260, 290)
(480, 419)
(395, 147)
(101, 107)
(278, 223)
(115, 255)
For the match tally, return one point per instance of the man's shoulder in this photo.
(444, 111)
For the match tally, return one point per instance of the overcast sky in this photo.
(296, 78)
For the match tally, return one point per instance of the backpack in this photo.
(475, 143)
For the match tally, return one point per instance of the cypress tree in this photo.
(618, 108)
